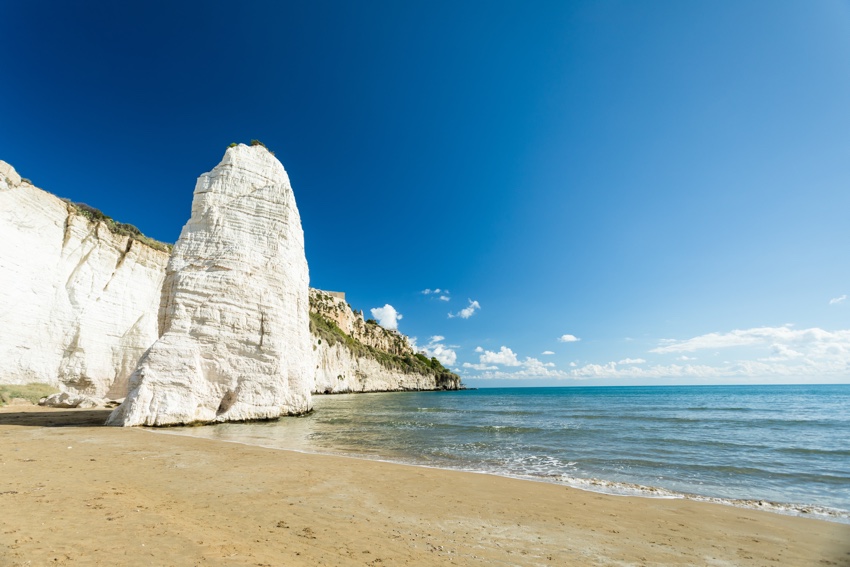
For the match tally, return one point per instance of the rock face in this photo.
(79, 303)
(332, 306)
(339, 370)
(69, 400)
(364, 357)
(234, 338)
(82, 304)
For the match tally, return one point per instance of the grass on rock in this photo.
(330, 332)
(115, 227)
(30, 392)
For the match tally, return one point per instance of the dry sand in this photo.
(73, 492)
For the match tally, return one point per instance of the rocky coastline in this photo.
(221, 327)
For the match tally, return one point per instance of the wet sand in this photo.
(75, 493)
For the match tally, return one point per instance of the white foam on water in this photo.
(629, 489)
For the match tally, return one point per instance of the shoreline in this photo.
(87, 494)
(591, 485)
(622, 487)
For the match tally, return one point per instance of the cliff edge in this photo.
(354, 355)
(80, 301)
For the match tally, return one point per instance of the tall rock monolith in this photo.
(234, 341)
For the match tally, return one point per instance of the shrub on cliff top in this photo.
(90, 212)
(259, 143)
(121, 228)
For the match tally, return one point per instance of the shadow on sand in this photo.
(40, 417)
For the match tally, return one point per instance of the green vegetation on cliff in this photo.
(115, 227)
(253, 143)
(30, 392)
(328, 331)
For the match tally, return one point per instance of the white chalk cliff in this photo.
(79, 303)
(234, 325)
(228, 329)
(353, 355)
(340, 370)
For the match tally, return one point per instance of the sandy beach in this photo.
(75, 493)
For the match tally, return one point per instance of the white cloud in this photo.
(529, 371)
(839, 299)
(479, 366)
(441, 294)
(611, 370)
(767, 354)
(466, 312)
(547, 352)
(387, 316)
(529, 368)
(785, 351)
(782, 352)
(772, 370)
(505, 356)
(445, 354)
(772, 352)
(568, 339)
(815, 341)
(533, 363)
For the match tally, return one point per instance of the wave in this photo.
(479, 411)
(630, 489)
(824, 452)
(552, 476)
(470, 429)
(768, 449)
(701, 419)
(715, 408)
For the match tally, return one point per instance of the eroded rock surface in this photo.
(79, 303)
(82, 304)
(71, 400)
(381, 360)
(233, 321)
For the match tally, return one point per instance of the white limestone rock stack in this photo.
(234, 338)
(79, 303)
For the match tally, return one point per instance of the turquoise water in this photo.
(785, 448)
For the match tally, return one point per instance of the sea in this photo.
(780, 448)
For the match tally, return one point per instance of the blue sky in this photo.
(666, 182)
